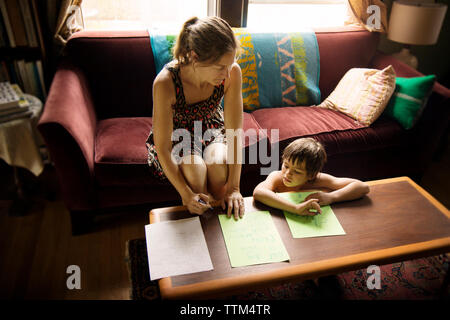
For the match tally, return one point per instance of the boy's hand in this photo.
(303, 209)
(324, 198)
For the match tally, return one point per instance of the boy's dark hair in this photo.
(308, 150)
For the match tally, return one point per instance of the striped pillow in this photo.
(362, 94)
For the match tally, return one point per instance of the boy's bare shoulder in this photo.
(322, 180)
(275, 180)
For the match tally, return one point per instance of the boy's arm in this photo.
(342, 189)
(265, 193)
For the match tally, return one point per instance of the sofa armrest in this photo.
(434, 121)
(381, 60)
(68, 125)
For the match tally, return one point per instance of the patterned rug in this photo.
(419, 279)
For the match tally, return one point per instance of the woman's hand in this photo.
(235, 203)
(324, 198)
(197, 203)
(303, 209)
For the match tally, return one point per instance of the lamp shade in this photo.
(414, 23)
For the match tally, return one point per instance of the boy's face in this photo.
(294, 174)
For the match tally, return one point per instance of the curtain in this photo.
(373, 19)
(70, 20)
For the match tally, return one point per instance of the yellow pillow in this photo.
(362, 94)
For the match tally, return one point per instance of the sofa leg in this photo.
(82, 222)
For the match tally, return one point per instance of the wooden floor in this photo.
(36, 249)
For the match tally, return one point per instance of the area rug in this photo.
(419, 279)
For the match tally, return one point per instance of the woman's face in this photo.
(215, 73)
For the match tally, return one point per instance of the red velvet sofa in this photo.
(98, 115)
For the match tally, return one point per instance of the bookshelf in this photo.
(22, 49)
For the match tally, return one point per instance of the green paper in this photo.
(252, 240)
(321, 225)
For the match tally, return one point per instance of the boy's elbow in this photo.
(365, 189)
(256, 194)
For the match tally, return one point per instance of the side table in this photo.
(19, 147)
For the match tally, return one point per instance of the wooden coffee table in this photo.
(396, 221)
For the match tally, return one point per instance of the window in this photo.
(166, 15)
(288, 15)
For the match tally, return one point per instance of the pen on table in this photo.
(315, 217)
(203, 202)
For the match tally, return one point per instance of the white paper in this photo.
(176, 247)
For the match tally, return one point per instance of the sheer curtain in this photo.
(370, 14)
(70, 20)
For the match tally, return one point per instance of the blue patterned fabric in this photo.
(278, 69)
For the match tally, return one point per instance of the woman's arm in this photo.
(342, 189)
(163, 98)
(233, 110)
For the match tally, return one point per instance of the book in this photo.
(4, 75)
(40, 72)
(11, 72)
(8, 97)
(12, 98)
(3, 36)
(32, 80)
(24, 76)
(28, 23)
(19, 115)
(23, 102)
(12, 42)
(21, 110)
(37, 21)
(15, 18)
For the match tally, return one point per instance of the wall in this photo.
(433, 59)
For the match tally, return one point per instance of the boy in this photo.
(302, 161)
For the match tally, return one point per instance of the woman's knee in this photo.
(217, 179)
(215, 153)
(217, 172)
(194, 170)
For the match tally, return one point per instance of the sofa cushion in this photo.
(121, 154)
(341, 51)
(293, 122)
(278, 69)
(338, 132)
(362, 93)
(409, 99)
(119, 68)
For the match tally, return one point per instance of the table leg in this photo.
(21, 203)
(444, 286)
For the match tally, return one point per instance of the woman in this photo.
(187, 90)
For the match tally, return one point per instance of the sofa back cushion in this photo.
(120, 69)
(341, 51)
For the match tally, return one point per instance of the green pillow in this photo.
(409, 99)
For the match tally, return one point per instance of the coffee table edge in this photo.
(311, 270)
